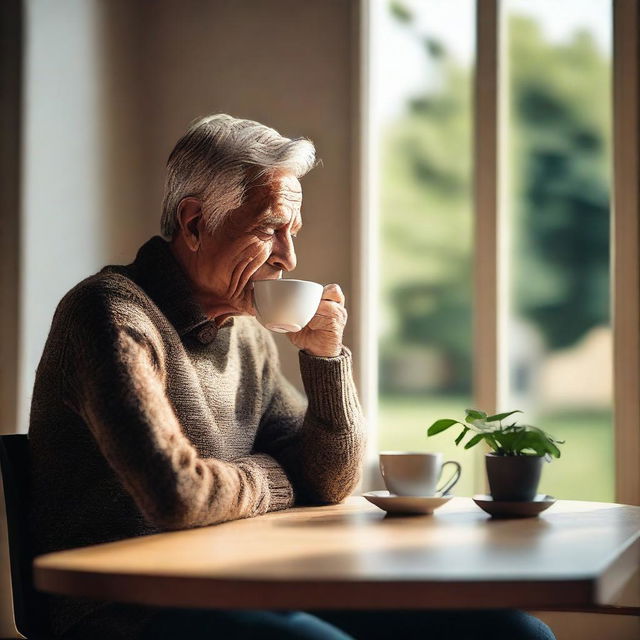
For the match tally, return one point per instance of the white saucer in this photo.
(392, 503)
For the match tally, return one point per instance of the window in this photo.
(502, 296)
(556, 216)
(422, 109)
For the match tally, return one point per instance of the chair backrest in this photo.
(28, 605)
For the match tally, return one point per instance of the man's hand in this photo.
(323, 335)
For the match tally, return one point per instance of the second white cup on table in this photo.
(416, 474)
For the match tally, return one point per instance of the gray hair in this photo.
(219, 157)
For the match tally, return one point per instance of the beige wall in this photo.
(62, 212)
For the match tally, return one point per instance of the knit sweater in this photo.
(146, 417)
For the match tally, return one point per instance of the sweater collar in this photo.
(160, 275)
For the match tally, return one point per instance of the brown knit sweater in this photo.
(146, 417)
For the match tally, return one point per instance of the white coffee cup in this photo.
(286, 305)
(416, 474)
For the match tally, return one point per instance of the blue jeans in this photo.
(207, 624)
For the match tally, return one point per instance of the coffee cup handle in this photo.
(453, 480)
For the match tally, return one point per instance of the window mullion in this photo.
(365, 229)
(486, 197)
(489, 235)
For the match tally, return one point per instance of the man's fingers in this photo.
(328, 316)
(330, 308)
(334, 293)
(325, 323)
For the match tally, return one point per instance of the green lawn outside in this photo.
(584, 472)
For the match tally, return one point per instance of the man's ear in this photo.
(189, 221)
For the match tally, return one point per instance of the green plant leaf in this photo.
(474, 414)
(552, 449)
(491, 441)
(519, 440)
(512, 439)
(441, 425)
(532, 441)
(502, 416)
(463, 433)
(507, 440)
(474, 441)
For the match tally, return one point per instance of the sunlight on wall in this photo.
(61, 237)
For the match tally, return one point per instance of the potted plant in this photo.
(515, 464)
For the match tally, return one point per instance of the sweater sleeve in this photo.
(319, 441)
(115, 378)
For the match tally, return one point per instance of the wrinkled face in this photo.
(255, 242)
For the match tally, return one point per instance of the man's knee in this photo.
(518, 624)
(290, 625)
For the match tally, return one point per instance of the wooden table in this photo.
(575, 556)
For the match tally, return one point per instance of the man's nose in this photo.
(283, 255)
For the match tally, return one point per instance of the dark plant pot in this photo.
(514, 478)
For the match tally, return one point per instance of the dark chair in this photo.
(28, 607)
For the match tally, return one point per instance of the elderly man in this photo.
(159, 402)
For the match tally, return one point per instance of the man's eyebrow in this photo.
(279, 220)
(274, 219)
